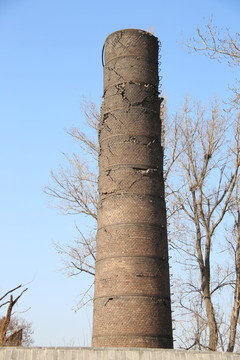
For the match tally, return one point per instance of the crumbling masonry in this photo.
(132, 293)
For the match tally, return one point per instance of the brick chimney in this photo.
(132, 293)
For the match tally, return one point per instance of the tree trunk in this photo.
(236, 304)
(3, 329)
(213, 330)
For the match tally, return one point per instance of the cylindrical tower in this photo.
(132, 293)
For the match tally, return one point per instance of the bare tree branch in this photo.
(10, 291)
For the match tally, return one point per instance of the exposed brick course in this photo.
(132, 240)
(130, 180)
(136, 120)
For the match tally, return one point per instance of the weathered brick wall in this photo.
(132, 297)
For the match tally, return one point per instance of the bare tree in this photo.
(218, 44)
(19, 332)
(234, 249)
(13, 331)
(74, 190)
(74, 186)
(221, 44)
(201, 183)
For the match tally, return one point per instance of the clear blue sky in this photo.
(50, 56)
